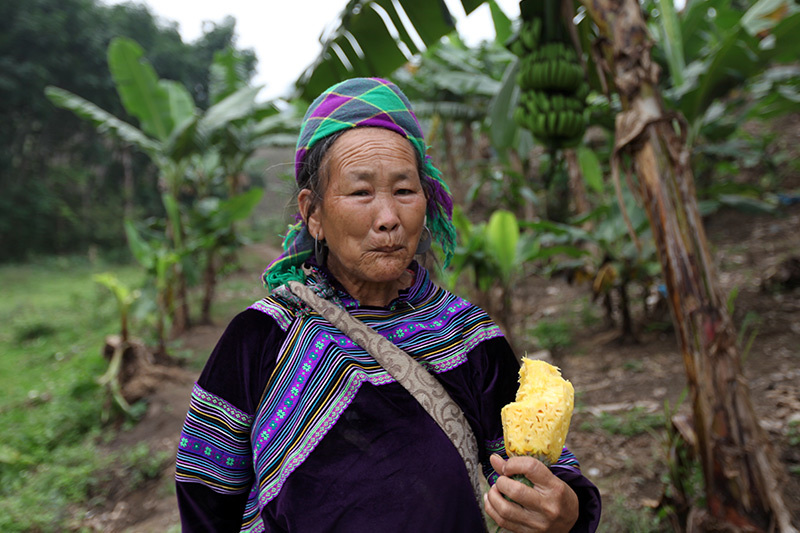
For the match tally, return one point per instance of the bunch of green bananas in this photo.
(527, 39)
(553, 67)
(552, 89)
(554, 118)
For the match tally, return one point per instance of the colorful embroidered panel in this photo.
(567, 458)
(214, 448)
(320, 370)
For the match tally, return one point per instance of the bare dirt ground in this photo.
(609, 377)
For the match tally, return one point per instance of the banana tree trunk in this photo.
(742, 482)
(576, 187)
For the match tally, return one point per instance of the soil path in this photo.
(609, 378)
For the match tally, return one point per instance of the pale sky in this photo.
(285, 34)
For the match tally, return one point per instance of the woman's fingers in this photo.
(550, 505)
(510, 515)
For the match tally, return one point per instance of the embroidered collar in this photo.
(325, 285)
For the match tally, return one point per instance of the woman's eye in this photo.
(360, 193)
(405, 191)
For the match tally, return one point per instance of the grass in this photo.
(53, 320)
(628, 424)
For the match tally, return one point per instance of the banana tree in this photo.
(171, 129)
(376, 37)
(604, 256)
(742, 483)
(217, 170)
(163, 109)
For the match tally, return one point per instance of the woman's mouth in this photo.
(388, 249)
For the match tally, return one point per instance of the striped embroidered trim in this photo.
(495, 446)
(483, 332)
(280, 313)
(214, 447)
(567, 458)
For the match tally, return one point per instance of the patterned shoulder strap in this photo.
(410, 374)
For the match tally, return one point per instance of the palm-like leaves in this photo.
(375, 37)
(157, 104)
(104, 121)
(175, 134)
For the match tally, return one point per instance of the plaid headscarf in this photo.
(362, 102)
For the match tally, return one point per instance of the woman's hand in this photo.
(550, 505)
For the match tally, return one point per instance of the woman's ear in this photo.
(304, 198)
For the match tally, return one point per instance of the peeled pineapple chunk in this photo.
(536, 424)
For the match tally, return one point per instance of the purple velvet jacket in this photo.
(381, 463)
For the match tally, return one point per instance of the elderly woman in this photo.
(294, 426)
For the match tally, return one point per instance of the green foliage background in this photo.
(61, 183)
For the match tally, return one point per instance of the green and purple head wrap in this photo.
(355, 103)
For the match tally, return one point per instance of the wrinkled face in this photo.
(373, 209)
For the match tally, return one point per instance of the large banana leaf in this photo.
(139, 88)
(502, 128)
(278, 122)
(238, 104)
(104, 121)
(733, 55)
(227, 74)
(238, 207)
(373, 40)
(142, 251)
(672, 39)
(590, 168)
(502, 24)
(181, 104)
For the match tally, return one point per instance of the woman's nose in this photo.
(386, 217)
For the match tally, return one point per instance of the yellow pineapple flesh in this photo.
(536, 424)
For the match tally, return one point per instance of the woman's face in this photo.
(373, 208)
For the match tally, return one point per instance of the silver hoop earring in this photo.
(424, 241)
(320, 252)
